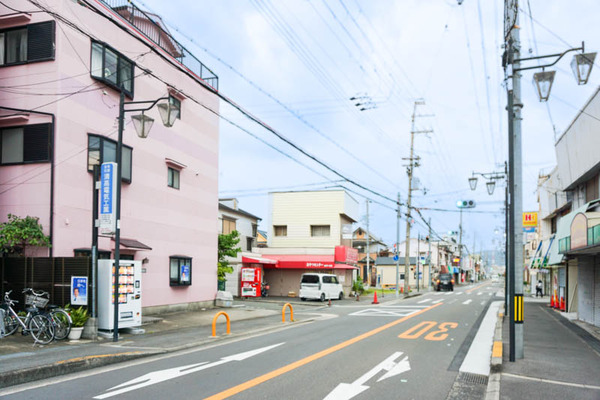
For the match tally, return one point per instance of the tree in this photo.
(227, 248)
(18, 233)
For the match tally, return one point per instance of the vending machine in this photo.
(130, 294)
(250, 281)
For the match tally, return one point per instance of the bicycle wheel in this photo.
(10, 324)
(62, 324)
(41, 328)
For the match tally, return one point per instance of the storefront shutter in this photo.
(40, 41)
(586, 290)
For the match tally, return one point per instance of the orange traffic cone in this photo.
(552, 301)
(402, 289)
(562, 304)
(375, 299)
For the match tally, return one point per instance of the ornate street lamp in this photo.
(490, 186)
(582, 67)
(543, 83)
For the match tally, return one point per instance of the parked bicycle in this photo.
(60, 318)
(35, 323)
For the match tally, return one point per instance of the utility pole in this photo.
(409, 169)
(368, 255)
(429, 258)
(515, 181)
(460, 246)
(397, 255)
(418, 259)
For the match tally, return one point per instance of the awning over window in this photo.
(258, 260)
(305, 261)
(133, 244)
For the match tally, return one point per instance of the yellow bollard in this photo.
(291, 312)
(214, 324)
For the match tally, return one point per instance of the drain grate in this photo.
(473, 378)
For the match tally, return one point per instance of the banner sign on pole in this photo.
(108, 192)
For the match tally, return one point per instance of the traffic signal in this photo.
(465, 204)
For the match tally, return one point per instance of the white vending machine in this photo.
(130, 294)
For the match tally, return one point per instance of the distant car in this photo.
(444, 281)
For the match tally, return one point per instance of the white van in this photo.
(320, 286)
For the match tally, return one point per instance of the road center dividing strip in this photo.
(273, 374)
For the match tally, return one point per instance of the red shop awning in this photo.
(258, 260)
(305, 261)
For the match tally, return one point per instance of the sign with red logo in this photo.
(345, 254)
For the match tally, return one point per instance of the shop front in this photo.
(284, 276)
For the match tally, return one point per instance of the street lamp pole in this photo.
(142, 123)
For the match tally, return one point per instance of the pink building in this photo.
(62, 67)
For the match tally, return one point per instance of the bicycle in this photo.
(38, 325)
(60, 318)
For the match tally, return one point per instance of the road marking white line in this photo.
(345, 391)
(424, 301)
(551, 381)
(467, 302)
(479, 294)
(437, 301)
(449, 293)
(152, 378)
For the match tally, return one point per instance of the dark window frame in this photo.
(282, 229)
(171, 172)
(28, 130)
(90, 167)
(28, 59)
(176, 102)
(120, 60)
(181, 260)
(315, 230)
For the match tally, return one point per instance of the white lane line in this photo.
(449, 293)
(551, 381)
(467, 302)
(424, 301)
(437, 301)
(439, 293)
(478, 357)
(479, 294)
(457, 293)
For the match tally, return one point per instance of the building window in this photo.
(112, 68)
(280, 230)
(25, 144)
(319, 230)
(254, 230)
(553, 224)
(177, 103)
(173, 178)
(180, 271)
(249, 242)
(34, 42)
(101, 150)
(228, 225)
(102, 254)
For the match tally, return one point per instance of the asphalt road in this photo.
(410, 349)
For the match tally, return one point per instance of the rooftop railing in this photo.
(152, 28)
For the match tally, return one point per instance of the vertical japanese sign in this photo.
(108, 192)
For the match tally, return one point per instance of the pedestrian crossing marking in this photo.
(467, 302)
(398, 311)
(479, 294)
(449, 293)
(436, 301)
(424, 301)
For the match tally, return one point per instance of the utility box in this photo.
(224, 299)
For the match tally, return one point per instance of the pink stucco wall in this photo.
(172, 222)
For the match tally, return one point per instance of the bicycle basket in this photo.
(37, 301)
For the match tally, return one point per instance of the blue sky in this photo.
(295, 64)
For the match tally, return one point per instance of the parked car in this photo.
(444, 281)
(321, 287)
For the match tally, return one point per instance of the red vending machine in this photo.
(251, 280)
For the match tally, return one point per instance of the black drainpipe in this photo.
(51, 151)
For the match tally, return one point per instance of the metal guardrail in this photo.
(152, 27)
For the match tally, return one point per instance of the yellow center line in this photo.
(477, 287)
(273, 374)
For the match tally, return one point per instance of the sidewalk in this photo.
(21, 361)
(561, 357)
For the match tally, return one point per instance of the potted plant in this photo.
(79, 317)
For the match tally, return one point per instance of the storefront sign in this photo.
(346, 254)
(108, 193)
(530, 219)
(579, 231)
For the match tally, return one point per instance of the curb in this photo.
(58, 368)
(493, 387)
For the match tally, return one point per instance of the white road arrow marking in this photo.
(152, 378)
(345, 391)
